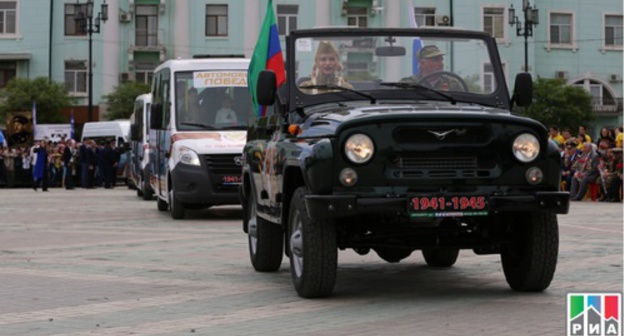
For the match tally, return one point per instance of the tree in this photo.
(558, 104)
(50, 97)
(121, 100)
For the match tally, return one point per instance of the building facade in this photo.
(44, 38)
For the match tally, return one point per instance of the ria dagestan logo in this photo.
(594, 314)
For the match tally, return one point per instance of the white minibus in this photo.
(198, 121)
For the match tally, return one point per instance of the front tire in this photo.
(148, 193)
(266, 240)
(177, 208)
(530, 260)
(313, 251)
(162, 205)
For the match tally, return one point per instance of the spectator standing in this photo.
(40, 170)
(3, 173)
(618, 137)
(69, 167)
(584, 136)
(108, 164)
(26, 161)
(586, 172)
(566, 134)
(555, 136)
(604, 141)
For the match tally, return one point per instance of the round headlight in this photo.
(526, 147)
(359, 148)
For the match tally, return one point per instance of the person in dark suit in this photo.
(108, 164)
(69, 164)
(87, 161)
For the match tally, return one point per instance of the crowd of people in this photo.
(588, 164)
(64, 164)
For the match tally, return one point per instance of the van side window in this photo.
(166, 98)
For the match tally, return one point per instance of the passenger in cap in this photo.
(431, 60)
(327, 69)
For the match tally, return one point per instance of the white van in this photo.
(139, 168)
(198, 122)
(117, 131)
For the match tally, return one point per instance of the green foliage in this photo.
(50, 97)
(558, 104)
(121, 100)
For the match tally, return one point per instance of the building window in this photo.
(425, 16)
(216, 20)
(494, 22)
(560, 28)
(146, 25)
(8, 17)
(8, 71)
(144, 72)
(76, 76)
(73, 28)
(613, 31)
(357, 16)
(144, 76)
(489, 81)
(286, 18)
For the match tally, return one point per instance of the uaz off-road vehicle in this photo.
(396, 162)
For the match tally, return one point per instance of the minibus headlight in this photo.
(188, 156)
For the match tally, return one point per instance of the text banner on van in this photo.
(203, 79)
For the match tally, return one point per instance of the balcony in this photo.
(146, 40)
(607, 106)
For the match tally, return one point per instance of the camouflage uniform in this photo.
(442, 82)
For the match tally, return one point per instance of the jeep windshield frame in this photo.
(299, 42)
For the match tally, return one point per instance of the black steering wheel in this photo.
(442, 73)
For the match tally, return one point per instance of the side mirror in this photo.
(523, 89)
(134, 133)
(156, 116)
(390, 51)
(266, 87)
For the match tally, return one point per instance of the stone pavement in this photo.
(105, 262)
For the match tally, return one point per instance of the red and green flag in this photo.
(267, 55)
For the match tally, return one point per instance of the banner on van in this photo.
(202, 79)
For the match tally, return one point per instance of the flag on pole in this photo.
(3, 142)
(417, 42)
(267, 55)
(71, 125)
(34, 120)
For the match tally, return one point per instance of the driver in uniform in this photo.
(431, 60)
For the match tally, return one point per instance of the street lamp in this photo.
(85, 20)
(531, 18)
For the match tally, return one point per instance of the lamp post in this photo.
(531, 18)
(85, 20)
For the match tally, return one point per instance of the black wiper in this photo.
(234, 127)
(204, 126)
(407, 85)
(340, 88)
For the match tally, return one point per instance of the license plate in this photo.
(447, 206)
(231, 179)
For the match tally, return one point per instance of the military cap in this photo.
(429, 52)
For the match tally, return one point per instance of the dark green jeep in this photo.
(395, 140)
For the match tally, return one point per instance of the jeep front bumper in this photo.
(336, 206)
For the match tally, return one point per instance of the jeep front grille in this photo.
(428, 166)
